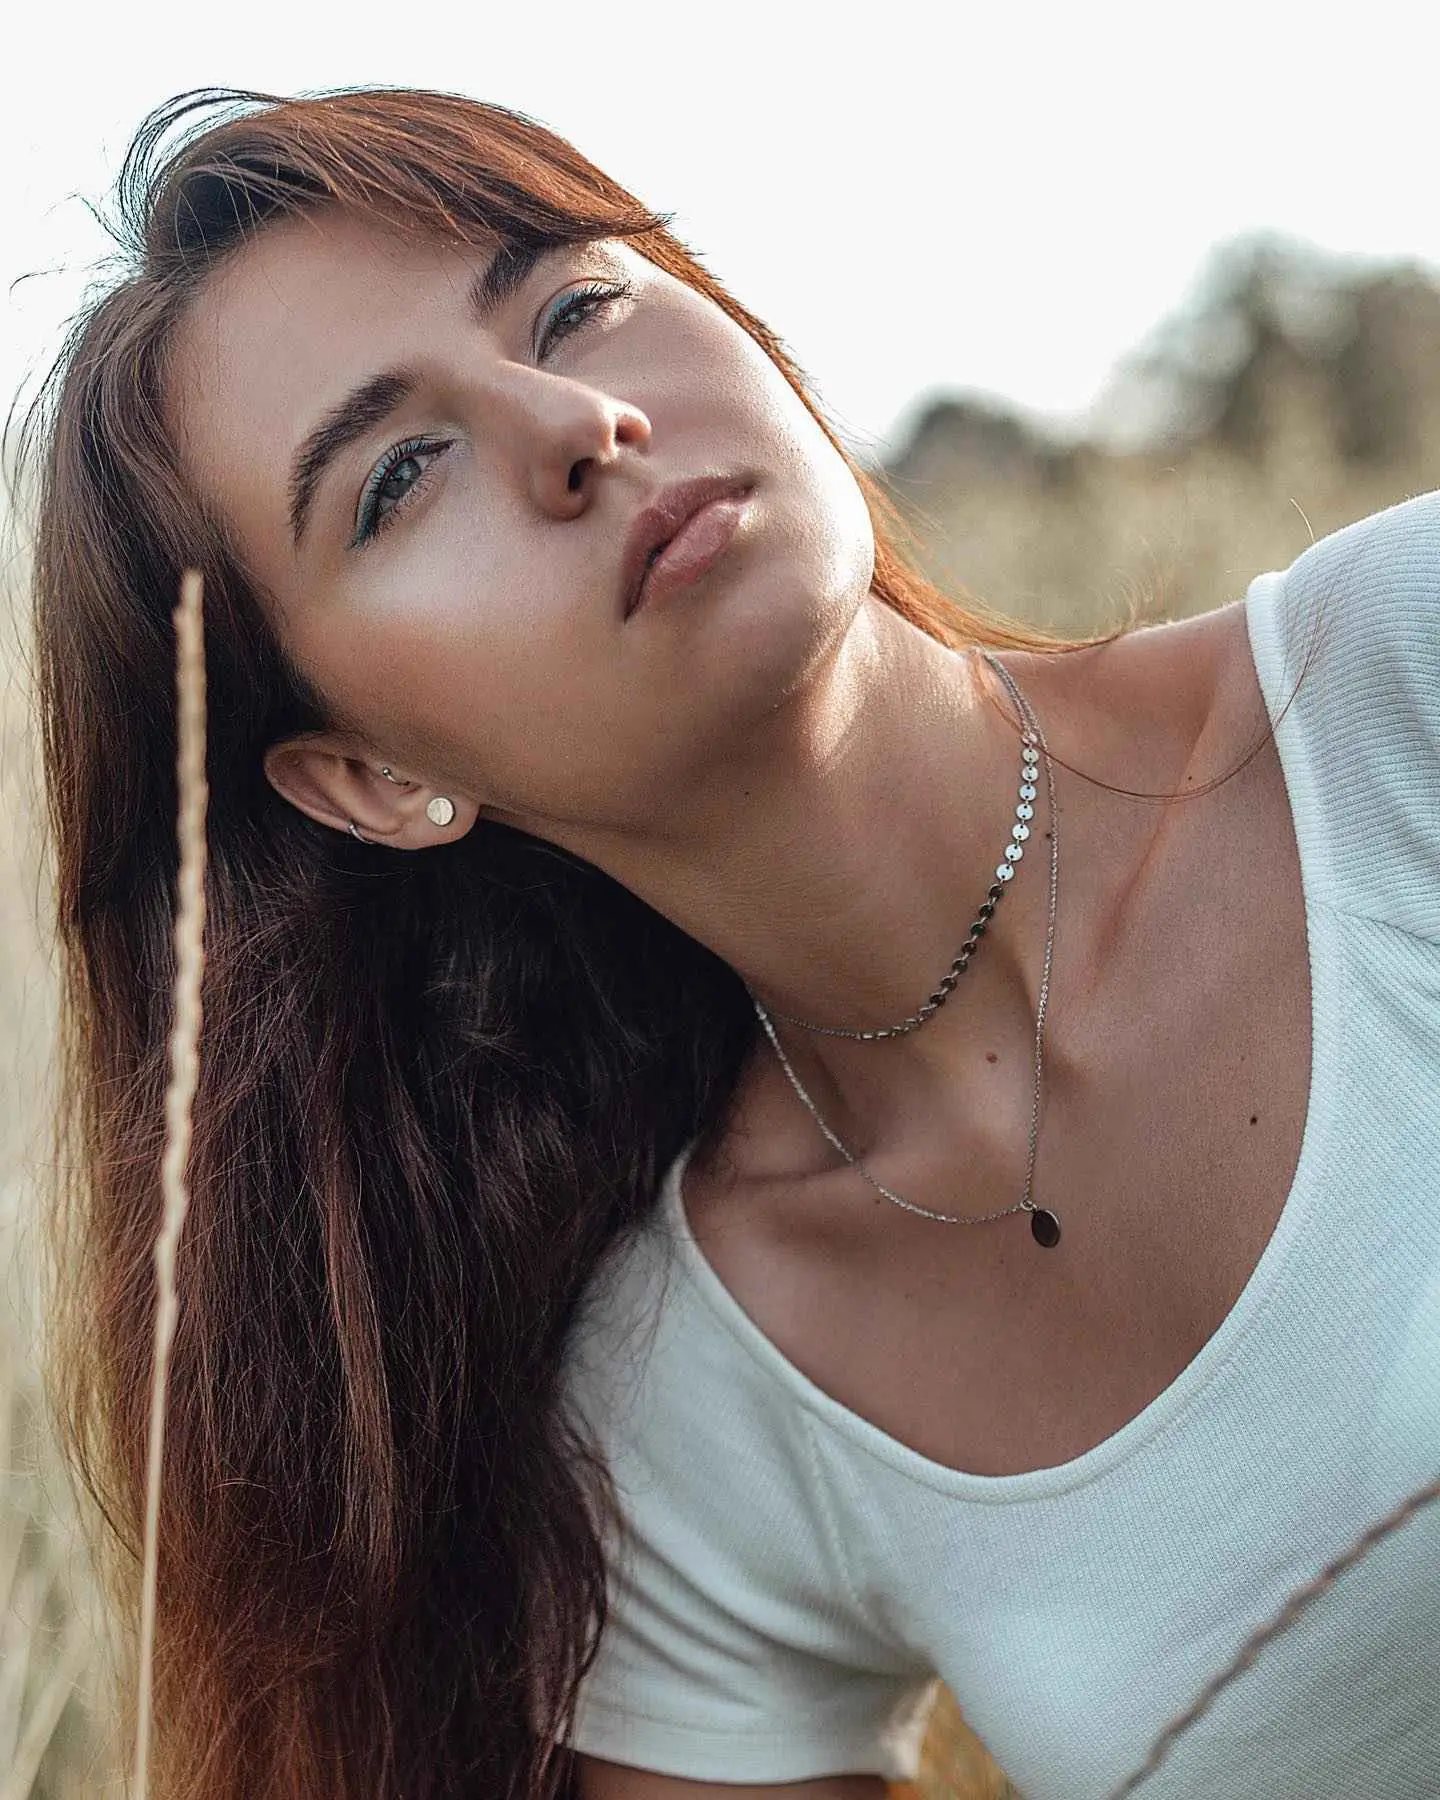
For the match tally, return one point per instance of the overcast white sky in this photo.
(917, 196)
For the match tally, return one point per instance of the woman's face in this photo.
(455, 583)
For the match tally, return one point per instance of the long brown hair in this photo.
(434, 1088)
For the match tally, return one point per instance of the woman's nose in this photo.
(562, 431)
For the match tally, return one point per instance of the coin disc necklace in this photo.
(1044, 1224)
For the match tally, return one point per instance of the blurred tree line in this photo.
(1292, 392)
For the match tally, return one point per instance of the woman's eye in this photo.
(577, 307)
(398, 482)
(403, 471)
(400, 473)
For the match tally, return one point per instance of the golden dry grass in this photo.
(955, 1765)
(53, 1689)
(179, 1100)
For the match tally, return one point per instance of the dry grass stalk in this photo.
(34, 1740)
(179, 1097)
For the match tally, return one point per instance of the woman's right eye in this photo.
(392, 484)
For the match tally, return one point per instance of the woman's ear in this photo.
(336, 779)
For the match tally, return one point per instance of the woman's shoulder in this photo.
(660, 1366)
(1366, 599)
(1346, 644)
(1399, 544)
(734, 1646)
(695, 1416)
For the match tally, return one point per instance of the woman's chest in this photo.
(1169, 1172)
(1168, 1153)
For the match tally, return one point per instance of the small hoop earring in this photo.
(389, 775)
(356, 835)
(440, 811)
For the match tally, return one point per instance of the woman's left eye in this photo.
(578, 306)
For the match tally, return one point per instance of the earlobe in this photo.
(440, 811)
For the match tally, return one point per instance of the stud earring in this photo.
(440, 810)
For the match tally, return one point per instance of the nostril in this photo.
(576, 478)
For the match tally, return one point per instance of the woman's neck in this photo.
(839, 865)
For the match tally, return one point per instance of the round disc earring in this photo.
(440, 810)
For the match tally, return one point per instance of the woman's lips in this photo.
(696, 547)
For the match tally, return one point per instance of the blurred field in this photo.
(54, 1744)
(1291, 395)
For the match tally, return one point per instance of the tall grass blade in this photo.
(179, 1096)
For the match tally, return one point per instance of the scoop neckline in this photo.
(1262, 604)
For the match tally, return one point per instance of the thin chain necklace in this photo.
(1024, 812)
(1044, 1224)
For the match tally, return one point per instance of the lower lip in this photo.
(699, 544)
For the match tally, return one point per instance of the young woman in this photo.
(764, 1136)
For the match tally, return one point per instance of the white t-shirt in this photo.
(793, 1578)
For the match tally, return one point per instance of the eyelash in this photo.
(592, 295)
(590, 299)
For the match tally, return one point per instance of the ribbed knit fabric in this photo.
(793, 1578)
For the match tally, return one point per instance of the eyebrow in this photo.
(373, 401)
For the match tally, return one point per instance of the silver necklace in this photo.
(1024, 812)
(1044, 1224)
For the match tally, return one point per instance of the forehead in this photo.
(287, 324)
(302, 282)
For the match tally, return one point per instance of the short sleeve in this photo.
(686, 1684)
(1355, 622)
(736, 1647)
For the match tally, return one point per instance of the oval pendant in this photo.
(1045, 1227)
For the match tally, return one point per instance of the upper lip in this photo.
(654, 525)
